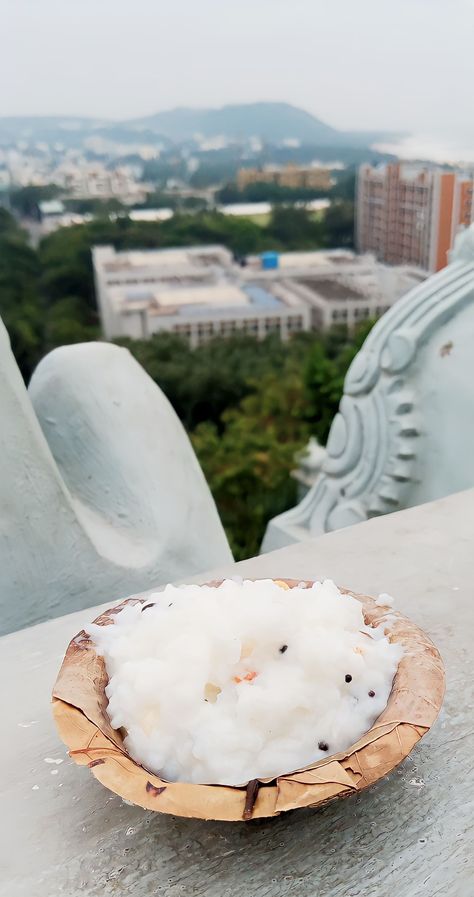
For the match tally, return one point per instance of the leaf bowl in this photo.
(80, 712)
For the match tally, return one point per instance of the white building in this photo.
(196, 291)
(149, 214)
(53, 215)
(93, 180)
(199, 292)
(249, 209)
(339, 286)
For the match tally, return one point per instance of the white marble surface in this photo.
(410, 835)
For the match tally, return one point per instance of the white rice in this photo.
(177, 678)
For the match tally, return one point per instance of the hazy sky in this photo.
(393, 64)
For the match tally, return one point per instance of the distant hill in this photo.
(272, 122)
(65, 128)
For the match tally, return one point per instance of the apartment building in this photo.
(408, 214)
(311, 177)
(93, 180)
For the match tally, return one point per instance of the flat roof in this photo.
(108, 259)
(51, 207)
(211, 294)
(199, 299)
(320, 258)
(202, 282)
(331, 288)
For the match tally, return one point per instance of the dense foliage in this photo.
(44, 301)
(249, 407)
(25, 200)
(261, 191)
(20, 307)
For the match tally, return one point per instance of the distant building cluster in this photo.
(79, 177)
(311, 177)
(52, 214)
(94, 180)
(408, 214)
(200, 292)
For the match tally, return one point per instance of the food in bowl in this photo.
(244, 681)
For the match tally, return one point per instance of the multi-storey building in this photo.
(311, 177)
(93, 180)
(200, 292)
(407, 214)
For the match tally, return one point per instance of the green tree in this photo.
(248, 465)
(248, 455)
(25, 199)
(20, 303)
(203, 383)
(69, 321)
(345, 185)
(261, 191)
(338, 224)
(94, 206)
(294, 228)
(325, 368)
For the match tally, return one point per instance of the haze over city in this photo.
(404, 67)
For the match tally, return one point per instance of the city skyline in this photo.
(368, 65)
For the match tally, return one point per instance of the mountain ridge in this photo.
(272, 122)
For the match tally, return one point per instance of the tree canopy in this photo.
(249, 407)
(262, 191)
(25, 199)
(20, 307)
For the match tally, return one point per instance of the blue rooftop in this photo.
(261, 297)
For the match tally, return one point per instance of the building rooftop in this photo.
(195, 298)
(319, 258)
(142, 291)
(331, 288)
(51, 207)
(110, 260)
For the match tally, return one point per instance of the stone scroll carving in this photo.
(405, 428)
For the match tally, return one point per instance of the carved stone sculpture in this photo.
(101, 494)
(404, 433)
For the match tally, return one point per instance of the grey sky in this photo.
(398, 64)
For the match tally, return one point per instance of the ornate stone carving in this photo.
(377, 440)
